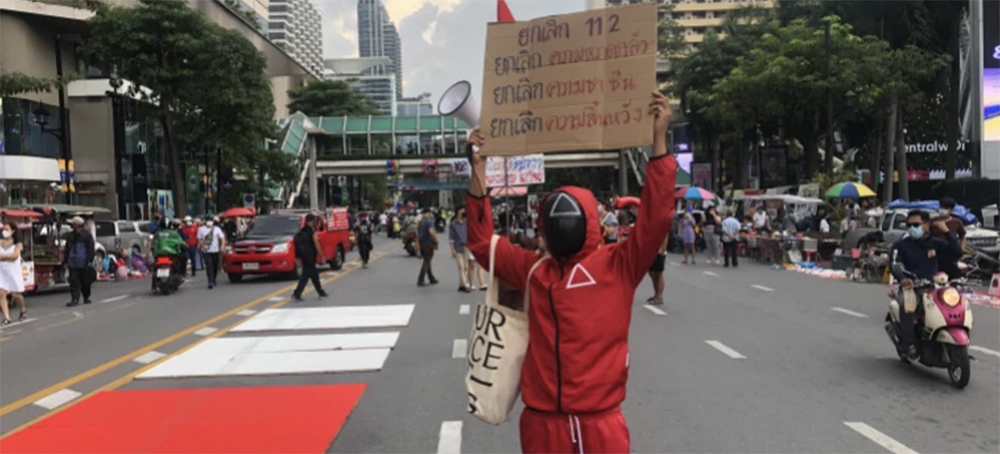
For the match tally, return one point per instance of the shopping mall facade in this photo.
(102, 148)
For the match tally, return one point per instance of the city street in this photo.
(737, 360)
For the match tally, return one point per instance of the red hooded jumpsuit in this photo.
(576, 366)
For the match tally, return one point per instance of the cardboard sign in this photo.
(339, 219)
(521, 170)
(580, 81)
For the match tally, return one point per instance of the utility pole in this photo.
(63, 120)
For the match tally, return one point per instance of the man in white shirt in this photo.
(383, 220)
(824, 224)
(760, 219)
(212, 241)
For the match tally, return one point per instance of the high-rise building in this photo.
(380, 89)
(295, 26)
(256, 7)
(697, 17)
(378, 37)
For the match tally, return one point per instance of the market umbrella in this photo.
(849, 191)
(694, 193)
(237, 213)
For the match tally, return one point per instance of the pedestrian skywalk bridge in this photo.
(277, 343)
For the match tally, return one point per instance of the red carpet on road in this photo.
(274, 419)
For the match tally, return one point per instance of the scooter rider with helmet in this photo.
(169, 242)
(918, 253)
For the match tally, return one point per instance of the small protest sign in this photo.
(578, 81)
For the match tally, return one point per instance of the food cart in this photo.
(24, 220)
(49, 232)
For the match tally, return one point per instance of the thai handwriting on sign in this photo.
(525, 61)
(598, 22)
(540, 33)
(519, 171)
(525, 90)
(486, 346)
(589, 117)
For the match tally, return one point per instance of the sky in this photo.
(443, 40)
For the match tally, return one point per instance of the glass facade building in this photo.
(378, 37)
(22, 136)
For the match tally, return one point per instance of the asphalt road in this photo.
(796, 363)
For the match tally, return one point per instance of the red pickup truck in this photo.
(268, 246)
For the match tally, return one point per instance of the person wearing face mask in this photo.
(918, 252)
(949, 262)
(212, 241)
(363, 231)
(190, 233)
(11, 280)
(581, 294)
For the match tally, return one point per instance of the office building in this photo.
(378, 37)
(295, 26)
(420, 106)
(380, 89)
(258, 8)
(697, 17)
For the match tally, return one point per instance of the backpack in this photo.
(303, 241)
(77, 258)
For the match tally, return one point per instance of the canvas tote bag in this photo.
(497, 346)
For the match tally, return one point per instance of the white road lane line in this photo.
(459, 347)
(880, 438)
(450, 439)
(675, 263)
(463, 309)
(276, 298)
(761, 287)
(655, 309)
(78, 314)
(848, 312)
(57, 399)
(246, 312)
(725, 350)
(206, 331)
(148, 357)
(984, 350)
(111, 300)
(710, 273)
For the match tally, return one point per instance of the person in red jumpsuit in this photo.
(580, 307)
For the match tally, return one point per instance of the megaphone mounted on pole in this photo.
(459, 102)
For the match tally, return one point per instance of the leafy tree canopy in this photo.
(329, 98)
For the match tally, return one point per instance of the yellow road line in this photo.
(128, 377)
(27, 400)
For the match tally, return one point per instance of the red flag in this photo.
(503, 12)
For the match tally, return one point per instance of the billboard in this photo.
(991, 70)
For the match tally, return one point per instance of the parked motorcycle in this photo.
(410, 244)
(941, 330)
(167, 278)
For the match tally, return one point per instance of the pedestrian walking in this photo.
(687, 235)
(383, 222)
(428, 244)
(712, 229)
(458, 238)
(731, 239)
(363, 235)
(79, 260)
(307, 253)
(11, 279)
(212, 241)
(190, 233)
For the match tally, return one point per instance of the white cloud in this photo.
(341, 28)
(428, 34)
(401, 9)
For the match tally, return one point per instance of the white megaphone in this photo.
(458, 102)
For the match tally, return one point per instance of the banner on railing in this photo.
(520, 171)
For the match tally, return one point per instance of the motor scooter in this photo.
(941, 330)
(167, 278)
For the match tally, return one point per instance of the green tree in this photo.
(375, 189)
(205, 84)
(669, 35)
(329, 98)
(15, 82)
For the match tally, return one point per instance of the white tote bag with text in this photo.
(497, 346)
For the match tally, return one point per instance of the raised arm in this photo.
(656, 208)
(512, 262)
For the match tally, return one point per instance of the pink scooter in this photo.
(942, 331)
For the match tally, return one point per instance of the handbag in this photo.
(497, 345)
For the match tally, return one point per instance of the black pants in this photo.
(729, 250)
(79, 282)
(427, 253)
(309, 273)
(211, 266)
(365, 249)
(906, 320)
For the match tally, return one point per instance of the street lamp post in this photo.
(41, 117)
(829, 104)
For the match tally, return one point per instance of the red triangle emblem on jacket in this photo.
(579, 277)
